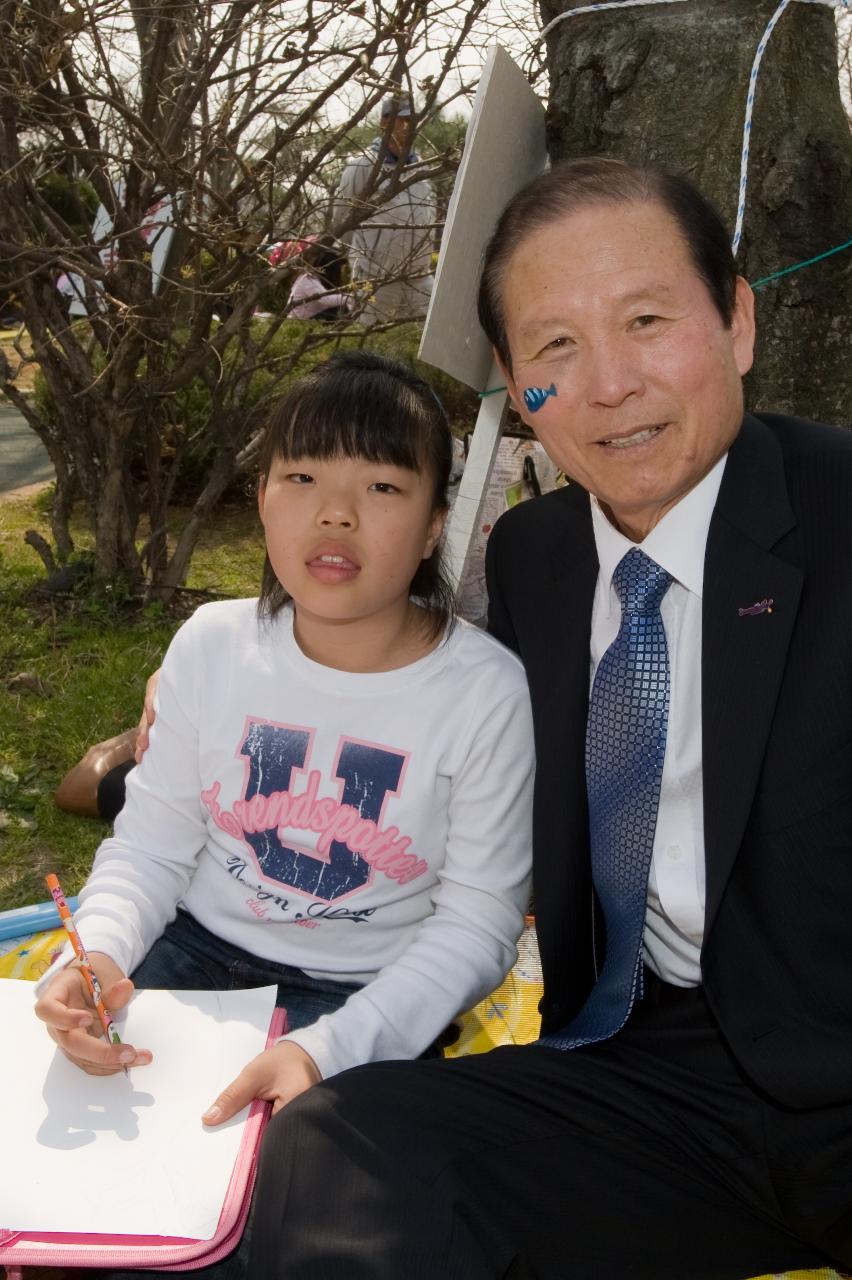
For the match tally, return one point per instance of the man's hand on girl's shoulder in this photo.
(147, 717)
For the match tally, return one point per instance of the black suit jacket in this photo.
(777, 748)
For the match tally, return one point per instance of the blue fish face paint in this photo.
(534, 397)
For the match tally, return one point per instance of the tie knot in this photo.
(640, 582)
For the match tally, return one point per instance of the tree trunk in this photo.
(667, 84)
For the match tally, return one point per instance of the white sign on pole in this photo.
(157, 230)
(505, 149)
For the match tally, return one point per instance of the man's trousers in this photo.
(648, 1156)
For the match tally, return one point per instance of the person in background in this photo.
(390, 250)
(94, 786)
(317, 291)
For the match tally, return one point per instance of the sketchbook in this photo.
(119, 1170)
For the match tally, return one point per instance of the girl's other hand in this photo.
(278, 1075)
(147, 717)
(65, 1006)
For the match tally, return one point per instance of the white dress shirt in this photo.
(674, 919)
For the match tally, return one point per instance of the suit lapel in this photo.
(743, 654)
(574, 567)
(558, 637)
(555, 649)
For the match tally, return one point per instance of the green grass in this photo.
(92, 659)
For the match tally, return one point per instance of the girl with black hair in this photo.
(337, 793)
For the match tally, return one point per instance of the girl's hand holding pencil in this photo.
(66, 1007)
(76, 1005)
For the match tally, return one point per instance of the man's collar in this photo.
(390, 157)
(678, 543)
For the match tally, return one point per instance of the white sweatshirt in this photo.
(371, 828)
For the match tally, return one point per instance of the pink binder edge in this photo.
(172, 1253)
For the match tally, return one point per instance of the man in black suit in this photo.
(682, 611)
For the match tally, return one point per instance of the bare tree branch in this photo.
(239, 116)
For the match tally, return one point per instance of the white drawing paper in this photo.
(125, 1154)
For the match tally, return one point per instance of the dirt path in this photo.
(23, 458)
(24, 463)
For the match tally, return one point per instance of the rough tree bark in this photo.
(668, 84)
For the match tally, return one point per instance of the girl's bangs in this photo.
(385, 425)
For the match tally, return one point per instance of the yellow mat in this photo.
(510, 1014)
(30, 957)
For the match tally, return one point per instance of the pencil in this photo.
(85, 963)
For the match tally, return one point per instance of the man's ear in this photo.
(742, 327)
(511, 385)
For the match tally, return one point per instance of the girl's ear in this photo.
(261, 497)
(436, 528)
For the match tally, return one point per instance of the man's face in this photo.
(402, 130)
(639, 380)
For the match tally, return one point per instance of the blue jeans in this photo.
(189, 957)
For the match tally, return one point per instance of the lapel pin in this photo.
(762, 606)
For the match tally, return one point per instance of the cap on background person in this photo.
(397, 106)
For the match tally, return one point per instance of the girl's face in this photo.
(345, 536)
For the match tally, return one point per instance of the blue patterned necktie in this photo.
(625, 748)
